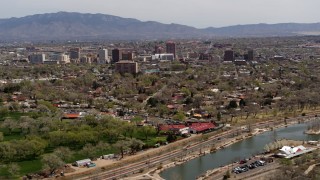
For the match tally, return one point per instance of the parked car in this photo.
(89, 165)
(252, 166)
(243, 161)
(237, 170)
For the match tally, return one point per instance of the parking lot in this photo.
(246, 165)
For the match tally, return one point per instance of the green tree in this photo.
(147, 131)
(232, 104)
(103, 146)
(180, 116)
(135, 145)
(7, 151)
(242, 103)
(4, 111)
(137, 120)
(153, 102)
(186, 91)
(63, 153)
(1, 136)
(13, 169)
(89, 151)
(129, 129)
(171, 137)
(219, 116)
(122, 146)
(52, 162)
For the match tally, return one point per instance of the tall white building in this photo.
(103, 56)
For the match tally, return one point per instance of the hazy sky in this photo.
(197, 13)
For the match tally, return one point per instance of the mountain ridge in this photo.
(73, 25)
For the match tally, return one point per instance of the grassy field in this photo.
(13, 115)
(17, 115)
(26, 167)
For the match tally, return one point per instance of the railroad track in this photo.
(153, 161)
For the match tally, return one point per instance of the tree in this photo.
(102, 146)
(136, 120)
(180, 116)
(63, 152)
(242, 103)
(10, 124)
(4, 111)
(88, 150)
(171, 137)
(233, 104)
(147, 131)
(122, 146)
(1, 136)
(129, 129)
(14, 106)
(91, 120)
(27, 125)
(7, 151)
(185, 91)
(52, 162)
(197, 100)
(135, 145)
(219, 116)
(163, 110)
(13, 169)
(153, 102)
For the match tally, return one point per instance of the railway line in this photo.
(153, 161)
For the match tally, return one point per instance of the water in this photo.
(244, 149)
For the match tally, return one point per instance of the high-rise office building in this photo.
(103, 56)
(228, 55)
(116, 55)
(250, 55)
(37, 58)
(75, 53)
(171, 48)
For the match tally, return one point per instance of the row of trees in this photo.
(19, 150)
(42, 133)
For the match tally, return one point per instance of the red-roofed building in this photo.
(201, 127)
(178, 129)
(71, 115)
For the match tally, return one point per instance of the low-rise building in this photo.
(163, 57)
(127, 67)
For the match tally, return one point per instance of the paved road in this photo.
(153, 161)
(144, 103)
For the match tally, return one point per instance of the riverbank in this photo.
(312, 132)
(218, 173)
(227, 142)
(155, 173)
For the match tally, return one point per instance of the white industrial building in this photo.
(291, 152)
(163, 57)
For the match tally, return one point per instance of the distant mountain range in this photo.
(72, 26)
